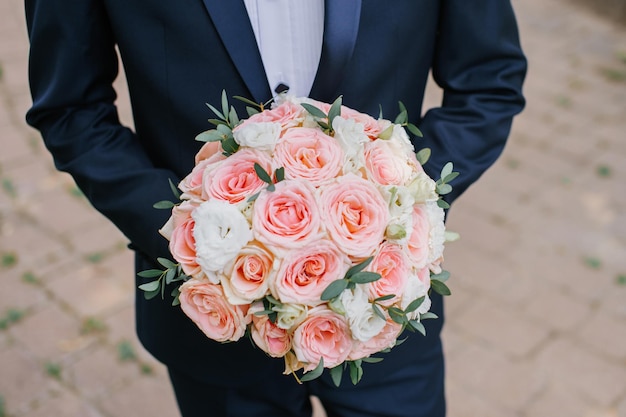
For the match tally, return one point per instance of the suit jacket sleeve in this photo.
(71, 69)
(480, 66)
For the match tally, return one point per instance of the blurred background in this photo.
(536, 325)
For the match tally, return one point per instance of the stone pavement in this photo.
(537, 322)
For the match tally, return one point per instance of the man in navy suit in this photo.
(180, 54)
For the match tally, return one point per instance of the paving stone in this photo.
(558, 400)
(14, 146)
(461, 403)
(593, 379)
(145, 396)
(606, 335)
(103, 238)
(50, 334)
(499, 380)
(64, 404)
(18, 294)
(89, 290)
(559, 311)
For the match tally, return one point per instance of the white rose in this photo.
(261, 135)
(400, 141)
(363, 321)
(220, 232)
(289, 315)
(414, 289)
(422, 187)
(351, 137)
(436, 217)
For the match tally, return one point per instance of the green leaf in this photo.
(247, 101)
(386, 134)
(414, 305)
(423, 155)
(364, 277)
(428, 316)
(251, 111)
(174, 188)
(217, 122)
(446, 170)
(359, 267)
(209, 136)
(372, 360)
(150, 286)
(450, 177)
(224, 103)
(216, 111)
(334, 289)
(414, 130)
(378, 312)
(253, 197)
(335, 110)
(315, 373)
(170, 275)
(271, 188)
(443, 204)
(440, 288)
(402, 118)
(163, 205)
(233, 117)
(356, 371)
(264, 312)
(263, 175)
(150, 273)
(443, 276)
(396, 315)
(384, 298)
(280, 174)
(416, 325)
(166, 263)
(150, 295)
(314, 111)
(443, 189)
(336, 374)
(230, 146)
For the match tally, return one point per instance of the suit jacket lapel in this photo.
(341, 25)
(231, 21)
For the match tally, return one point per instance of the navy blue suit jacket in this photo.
(177, 55)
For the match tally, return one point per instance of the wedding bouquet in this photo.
(310, 227)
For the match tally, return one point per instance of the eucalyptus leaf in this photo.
(253, 197)
(440, 288)
(217, 122)
(263, 313)
(384, 298)
(359, 267)
(166, 263)
(170, 275)
(386, 134)
(443, 276)
(443, 204)
(401, 106)
(314, 111)
(150, 273)
(336, 374)
(233, 118)
(402, 118)
(216, 111)
(428, 316)
(262, 173)
(446, 170)
(251, 111)
(356, 371)
(149, 295)
(225, 130)
(230, 146)
(423, 155)
(315, 373)
(271, 188)
(372, 360)
(280, 174)
(416, 325)
(224, 103)
(247, 101)
(334, 289)
(443, 189)
(364, 277)
(450, 177)
(150, 286)
(209, 136)
(378, 312)
(174, 188)
(415, 130)
(334, 111)
(396, 315)
(414, 305)
(163, 205)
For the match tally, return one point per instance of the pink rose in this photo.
(323, 334)
(288, 114)
(211, 151)
(191, 185)
(309, 154)
(355, 215)
(305, 273)
(182, 243)
(420, 235)
(386, 165)
(247, 277)
(272, 340)
(288, 217)
(384, 340)
(393, 266)
(205, 304)
(371, 127)
(234, 179)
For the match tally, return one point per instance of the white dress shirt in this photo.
(289, 36)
